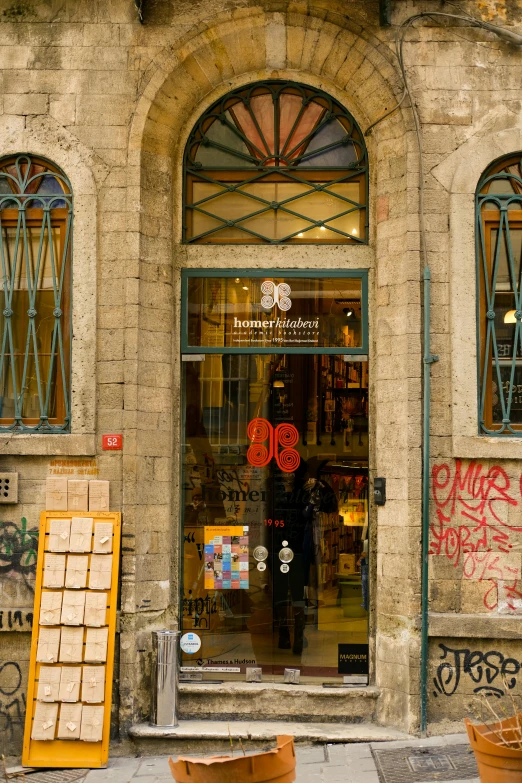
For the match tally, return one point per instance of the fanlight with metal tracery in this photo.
(276, 162)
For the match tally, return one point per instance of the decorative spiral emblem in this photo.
(8, 312)
(518, 315)
(57, 312)
(490, 315)
(267, 302)
(276, 295)
(287, 435)
(284, 435)
(258, 430)
(288, 460)
(257, 455)
(31, 313)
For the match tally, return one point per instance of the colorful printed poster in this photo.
(226, 557)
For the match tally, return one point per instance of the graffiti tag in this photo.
(483, 668)
(472, 528)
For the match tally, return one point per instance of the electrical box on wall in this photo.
(379, 491)
(8, 487)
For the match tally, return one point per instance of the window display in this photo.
(275, 484)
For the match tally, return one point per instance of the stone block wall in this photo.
(112, 102)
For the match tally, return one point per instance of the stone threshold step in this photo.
(263, 731)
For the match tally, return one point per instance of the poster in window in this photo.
(226, 557)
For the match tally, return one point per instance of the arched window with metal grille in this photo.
(499, 275)
(276, 162)
(35, 320)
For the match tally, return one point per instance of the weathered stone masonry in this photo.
(112, 102)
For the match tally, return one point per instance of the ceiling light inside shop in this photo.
(237, 280)
(245, 288)
(323, 228)
(279, 385)
(509, 317)
(354, 232)
(300, 234)
(348, 311)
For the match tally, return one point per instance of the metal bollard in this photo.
(165, 674)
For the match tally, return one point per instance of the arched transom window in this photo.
(499, 251)
(276, 162)
(35, 317)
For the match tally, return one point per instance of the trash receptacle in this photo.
(165, 673)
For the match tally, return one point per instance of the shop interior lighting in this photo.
(237, 280)
(323, 228)
(278, 385)
(245, 288)
(348, 311)
(509, 317)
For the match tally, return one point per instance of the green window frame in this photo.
(498, 212)
(36, 212)
(276, 162)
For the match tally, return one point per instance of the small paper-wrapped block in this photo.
(95, 609)
(93, 684)
(102, 537)
(48, 683)
(48, 644)
(77, 495)
(50, 608)
(76, 574)
(92, 724)
(70, 721)
(73, 607)
(98, 495)
(101, 572)
(56, 494)
(54, 570)
(96, 645)
(71, 647)
(59, 532)
(81, 534)
(44, 721)
(70, 683)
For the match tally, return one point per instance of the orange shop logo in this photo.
(259, 432)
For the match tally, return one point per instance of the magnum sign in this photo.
(285, 435)
(353, 659)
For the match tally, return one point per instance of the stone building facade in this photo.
(111, 102)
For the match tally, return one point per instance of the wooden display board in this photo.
(73, 601)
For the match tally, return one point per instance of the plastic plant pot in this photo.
(497, 761)
(271, 766)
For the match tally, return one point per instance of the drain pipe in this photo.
(428, 361)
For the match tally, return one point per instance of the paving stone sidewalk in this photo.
(336, 763)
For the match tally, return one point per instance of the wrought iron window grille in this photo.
(36, 211)
(499, 300)
(276, 162)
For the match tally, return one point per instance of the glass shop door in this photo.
(275, 496)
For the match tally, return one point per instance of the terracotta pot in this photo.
(272, 766)
(497, 762)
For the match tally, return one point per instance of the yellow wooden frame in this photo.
(71, 753)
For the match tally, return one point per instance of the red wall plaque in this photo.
(112, 442)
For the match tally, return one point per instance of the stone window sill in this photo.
(27, 443)
(485, 447)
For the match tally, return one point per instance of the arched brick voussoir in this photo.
(254, 41)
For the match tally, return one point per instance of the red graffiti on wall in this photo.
(285, 435)
(473, 527)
